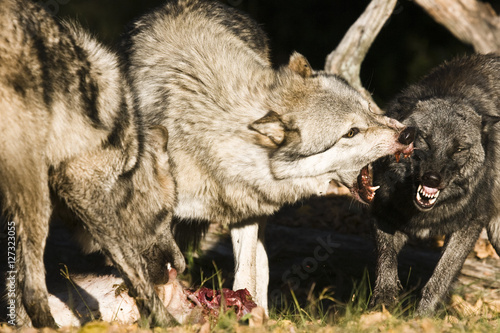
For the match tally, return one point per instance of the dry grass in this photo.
(354, 316)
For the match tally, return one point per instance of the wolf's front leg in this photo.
(262, 268)
(493, 229)
(30, 223)
(387, 283)
(458, 247)
(250, 257)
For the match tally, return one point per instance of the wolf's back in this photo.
(53, 76)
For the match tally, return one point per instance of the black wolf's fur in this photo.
(455, 108)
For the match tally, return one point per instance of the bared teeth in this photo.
(370, 192)
(365, 190)
(406, 153)
(423, 195)
(398, 156)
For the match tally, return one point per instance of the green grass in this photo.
(322, 312)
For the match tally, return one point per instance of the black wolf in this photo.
(451, 185)
(69, 133)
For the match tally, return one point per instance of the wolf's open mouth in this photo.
(426, 197)
(363, 189)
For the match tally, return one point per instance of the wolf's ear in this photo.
(159, 137)
(299, 64)
(270, 128)
(487, 122)
(403, 106)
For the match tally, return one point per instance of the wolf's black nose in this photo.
(407, 136)
(431, 179)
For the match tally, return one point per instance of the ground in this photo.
(321, 270)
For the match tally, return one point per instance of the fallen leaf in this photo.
(484, 249)
(205, 328)
(258, 317)
(494, 305)
(428, 326)
(462, 306)
(374, 318)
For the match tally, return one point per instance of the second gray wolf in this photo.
(451, 185)
(70, 136)
(246, 138)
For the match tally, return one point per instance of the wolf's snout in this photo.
(431, 179)
(407, 135)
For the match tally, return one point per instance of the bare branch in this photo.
(346, 59)
(473, 22)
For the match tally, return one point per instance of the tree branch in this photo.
(346, 59)
(473, 22)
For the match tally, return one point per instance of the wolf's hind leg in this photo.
(457, 248)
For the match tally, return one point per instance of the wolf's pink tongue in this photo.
(430, 190)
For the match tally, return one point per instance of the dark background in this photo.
(408, 46)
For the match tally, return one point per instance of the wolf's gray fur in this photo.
(69, 132)
(451, 186)
(245, 138)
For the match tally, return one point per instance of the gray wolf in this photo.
(450, 186)
(246, 138)
(70, 136)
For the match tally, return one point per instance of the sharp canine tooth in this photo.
(374, 188)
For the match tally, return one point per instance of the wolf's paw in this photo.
(384, 298)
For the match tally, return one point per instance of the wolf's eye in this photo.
(460, 149)
(352, 132)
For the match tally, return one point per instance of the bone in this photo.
(99, 297)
